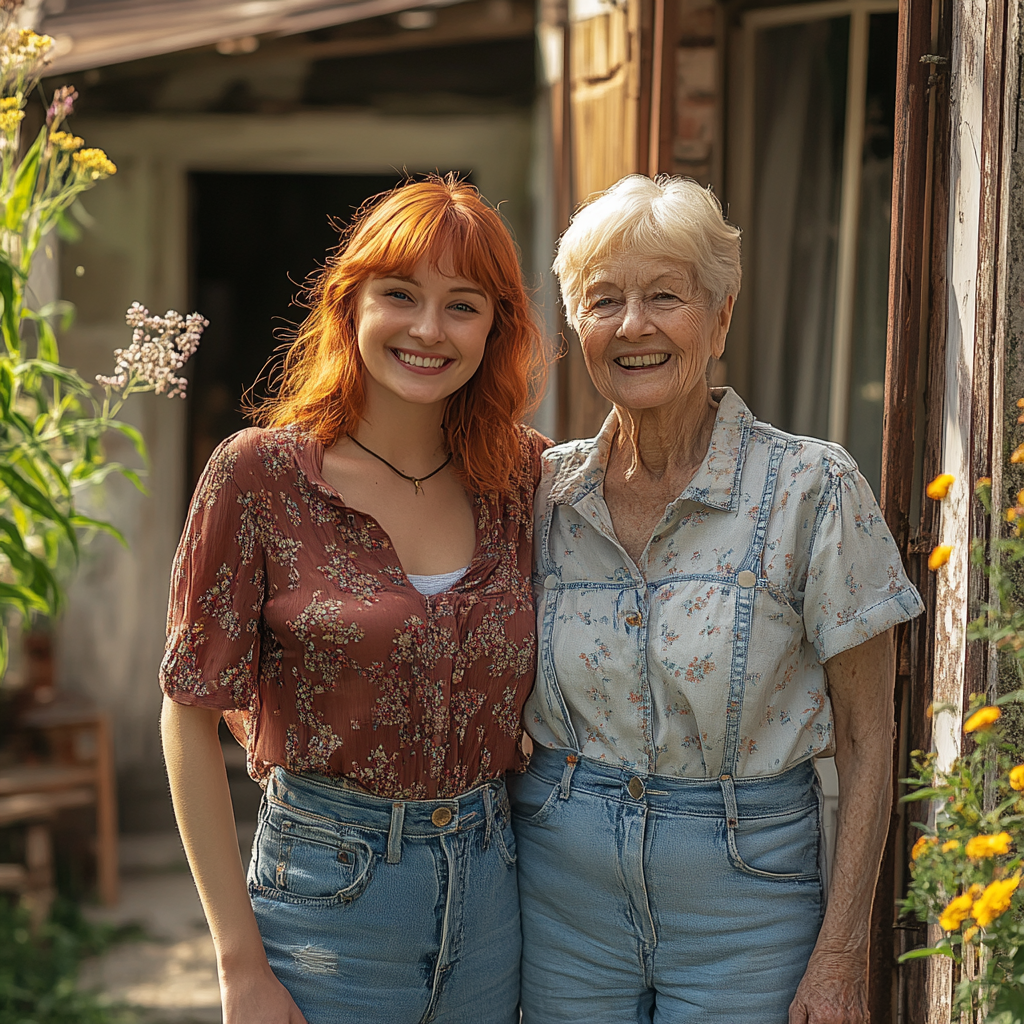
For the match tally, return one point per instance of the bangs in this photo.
(454, 241)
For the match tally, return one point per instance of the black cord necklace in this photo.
(416, 481)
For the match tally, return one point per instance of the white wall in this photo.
(110, 640)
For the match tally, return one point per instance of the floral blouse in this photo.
(292, 611)
(707, 656)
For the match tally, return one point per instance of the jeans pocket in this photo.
(782, 847)
(532, 798)
(315, 867)
(506, 841)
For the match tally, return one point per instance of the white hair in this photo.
(666, 217)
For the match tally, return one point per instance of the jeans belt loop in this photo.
(570, 767)
(488, 815)
(395, 833)
(729, 798)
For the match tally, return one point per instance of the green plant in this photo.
(52, 421)
(966, 867)
(38, 970)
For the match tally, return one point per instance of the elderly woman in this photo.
(716, 606)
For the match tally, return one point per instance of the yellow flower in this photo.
(1017, 777)
(10, 103)
(66, 141)
(982, 718)
(9, 120)
(995, 900)
(1017, 455)
(940, 486)
(969, 933)
(32, 44)
(956, 913)
(951, 844)
(980, 847)
(939, 556)
(95, 163)
(920, 846)
(983, 481)
(1011, 513)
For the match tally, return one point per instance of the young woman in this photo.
(352, 590)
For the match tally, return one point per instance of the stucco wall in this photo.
(110, 640)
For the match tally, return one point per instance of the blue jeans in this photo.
(402, 912)
(665, 900)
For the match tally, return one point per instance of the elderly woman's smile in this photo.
(648, 331)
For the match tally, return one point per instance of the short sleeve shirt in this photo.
(291, 611)
(638, 663)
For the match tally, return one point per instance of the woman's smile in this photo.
(419, 363)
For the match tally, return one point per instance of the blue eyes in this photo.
(458, 307)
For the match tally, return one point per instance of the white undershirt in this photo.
(429, 585)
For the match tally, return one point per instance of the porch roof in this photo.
(94, 33)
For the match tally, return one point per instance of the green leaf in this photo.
(38, 501)
(25, 600)
(59, 308)
(47, 340)
(54, 370)
(88, 523)
(134, 435)
(917, 954)
(10, 319)
(25, 180)
(67, 229)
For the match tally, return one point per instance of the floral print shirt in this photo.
(707, 656)
(290, 611)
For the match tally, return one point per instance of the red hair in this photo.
(445, 221)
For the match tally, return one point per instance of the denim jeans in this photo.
(665, 900)
(402, 912)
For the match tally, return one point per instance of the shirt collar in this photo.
(716, 482)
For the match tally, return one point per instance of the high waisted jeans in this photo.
(398, 912)
(666, 900)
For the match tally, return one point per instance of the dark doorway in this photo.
(254, 239)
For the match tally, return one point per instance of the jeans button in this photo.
(550, 581)
(636, 788)
(441, 817)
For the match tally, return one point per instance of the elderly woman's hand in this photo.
(834, 987)
(833, 991)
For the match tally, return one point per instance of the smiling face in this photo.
(421, 337)
(648, 332)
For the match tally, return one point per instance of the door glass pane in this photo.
(867, 370)
(799, 115)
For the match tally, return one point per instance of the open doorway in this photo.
(254, 240)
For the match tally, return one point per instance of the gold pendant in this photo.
(418, 484)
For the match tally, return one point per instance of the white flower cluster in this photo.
(161, 345)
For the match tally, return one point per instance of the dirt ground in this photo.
(170, 975)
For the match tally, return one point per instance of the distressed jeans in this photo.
(666, 900)
(398, 912)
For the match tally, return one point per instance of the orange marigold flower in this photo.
(939, 556)
(921, 845)
(1017, 777)
(950, 844)
(1017, 455)
(940, 486)
(958, 910)
(982, 847)
(1011, 513)
(995, 900)
(983, 481)
(982, 718)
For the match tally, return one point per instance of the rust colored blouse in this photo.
(290, 612)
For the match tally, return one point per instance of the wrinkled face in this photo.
(648, 332)
(423, 336)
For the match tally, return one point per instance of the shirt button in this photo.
(550, 581)
(441, 817)
(636, 619)
(636, 788)
(746, 579)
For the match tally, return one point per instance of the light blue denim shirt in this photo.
(707, 657)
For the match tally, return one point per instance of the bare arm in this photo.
(202, 805)
(834, 988)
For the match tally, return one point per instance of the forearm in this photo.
(864, 736)
(202, 806)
